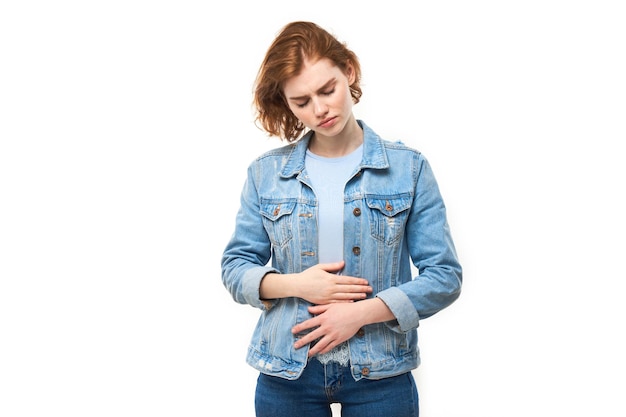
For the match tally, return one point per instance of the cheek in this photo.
(301, 114)
(344, 98)
(348, 102)
(294, 110)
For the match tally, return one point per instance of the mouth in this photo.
(327, 122)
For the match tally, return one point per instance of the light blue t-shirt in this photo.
(329, 177)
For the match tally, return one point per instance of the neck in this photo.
(339, 145)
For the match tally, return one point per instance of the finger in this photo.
(349, 296)
(332, 267)
(307, 339)
(315, 310)
(322, 346)
(345, 280)
(305, 325)
(355, 288)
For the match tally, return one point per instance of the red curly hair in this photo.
(285, 59)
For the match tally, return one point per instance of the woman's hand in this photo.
(338, 322)
(321, 284)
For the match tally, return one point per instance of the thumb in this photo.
(318, 309)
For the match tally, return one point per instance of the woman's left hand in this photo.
(333, 323)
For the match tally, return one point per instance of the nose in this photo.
(320, 107)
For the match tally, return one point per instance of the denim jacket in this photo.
(394, 216)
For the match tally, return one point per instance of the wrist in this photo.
(275, 285)
(374, 310)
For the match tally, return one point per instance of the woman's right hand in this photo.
(324, 284)
(319, 284)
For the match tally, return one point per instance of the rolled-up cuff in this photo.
(402, 308)
(252, 284)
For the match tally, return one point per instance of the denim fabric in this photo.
(394, 215)
(320, 385)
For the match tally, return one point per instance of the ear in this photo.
(350, 73)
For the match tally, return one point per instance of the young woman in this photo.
(341, 214)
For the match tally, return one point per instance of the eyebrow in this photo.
(330, 82)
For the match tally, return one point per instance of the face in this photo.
(320, 97)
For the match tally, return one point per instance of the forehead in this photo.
(314, 75)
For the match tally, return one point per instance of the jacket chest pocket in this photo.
(388, 216)
(278, 219)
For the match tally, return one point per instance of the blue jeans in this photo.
(321, 385)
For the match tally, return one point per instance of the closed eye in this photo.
(326, 90)
(324, 93)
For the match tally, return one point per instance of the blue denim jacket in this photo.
(393, 215)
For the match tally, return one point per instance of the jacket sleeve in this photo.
(432, 251)
(245, 258)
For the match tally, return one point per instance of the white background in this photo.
(126, 128)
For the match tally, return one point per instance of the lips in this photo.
(327, 122)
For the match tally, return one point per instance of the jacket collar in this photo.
(374, 154)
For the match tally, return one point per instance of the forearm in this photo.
(374, 310)
(274, 286)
